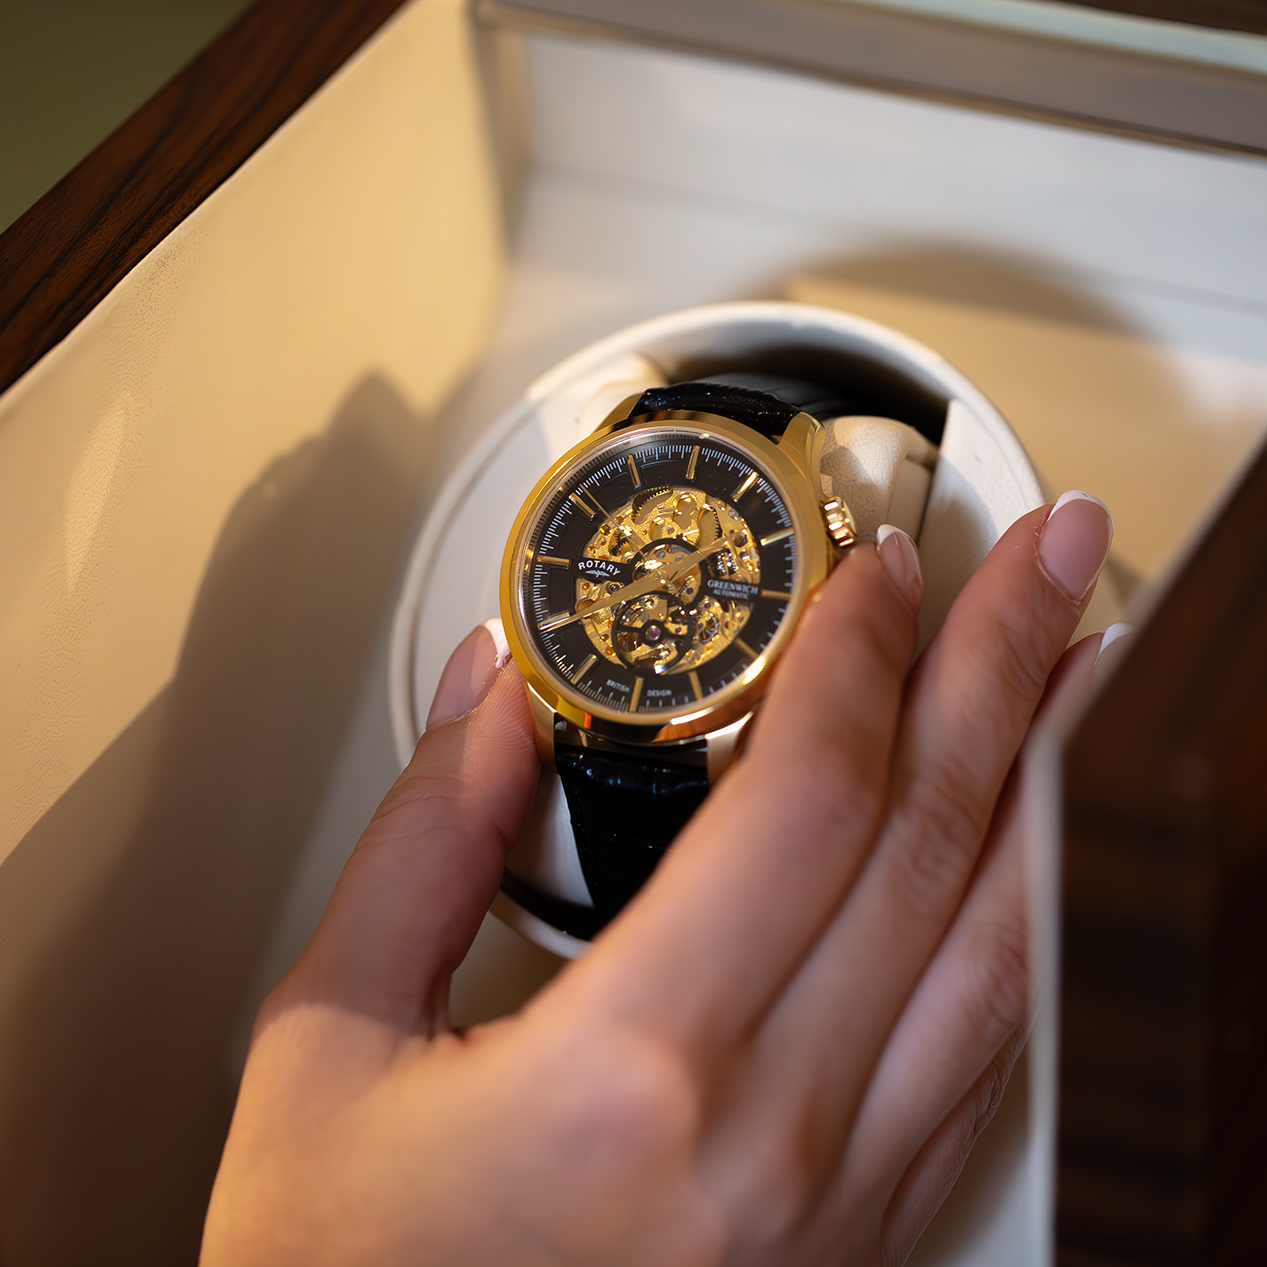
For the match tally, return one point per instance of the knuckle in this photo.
(766, 1188)
(1022, 655)
(788, 1186)
(837, 795)
(939, 840)
(988, 1093)
(434, 798)
(989, 1097)
(855, 694)
(428, 787)
(837, 768)
(883, 641)
(844, 631)
(629, 1099)
(999, 981)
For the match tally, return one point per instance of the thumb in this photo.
(412, 895)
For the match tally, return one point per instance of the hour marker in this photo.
(690, 466)
(555, 560)
(782, 535)
(781, 595)
(693, 677)
(553, 622)
(587, 502)
(635, 695)
(584, 669)
(633, 471)
(745, 648)
(744, 487)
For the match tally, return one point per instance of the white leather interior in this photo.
(881, 469)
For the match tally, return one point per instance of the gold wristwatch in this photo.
(650, 583)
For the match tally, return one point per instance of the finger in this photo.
(968, 704)
(759, 870)
(937, 1167)
(808, 1078)
(1115, 643)
(470, 672)
(973, 696)
(974, 996)
(412, 895)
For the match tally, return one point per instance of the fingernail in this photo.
(1075, 542)
(498, 630)
(470, 673)
(900, 557)
(1113, 646)
(1110, 636)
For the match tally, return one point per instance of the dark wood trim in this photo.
(1104, 89)
(1224, 15)
(1163, 1079)
(62, 256)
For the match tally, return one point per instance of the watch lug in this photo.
(802, 441)
(543, 717)
(617, 416)
(723, 746)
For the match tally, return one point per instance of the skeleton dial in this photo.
(658, 570)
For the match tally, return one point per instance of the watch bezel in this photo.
(783, 463)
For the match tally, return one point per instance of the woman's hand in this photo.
(784, 1048)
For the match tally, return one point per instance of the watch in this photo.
(650, 583)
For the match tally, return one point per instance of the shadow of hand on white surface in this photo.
(134, 912)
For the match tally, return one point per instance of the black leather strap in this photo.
(764, 402)
(625, 812)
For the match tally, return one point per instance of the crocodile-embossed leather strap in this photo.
(764, 402)
(625, 812)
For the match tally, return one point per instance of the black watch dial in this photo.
(659, 570)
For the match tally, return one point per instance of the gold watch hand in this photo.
(653, 581)
(685, 562)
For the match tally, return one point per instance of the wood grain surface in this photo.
(1163, 1094)
(1229, 15)
(63, 255)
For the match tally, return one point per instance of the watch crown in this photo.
(839, 523)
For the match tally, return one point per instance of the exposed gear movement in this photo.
(682, 625)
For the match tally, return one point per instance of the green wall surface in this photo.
(72, 70)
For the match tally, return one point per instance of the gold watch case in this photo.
(791, 464)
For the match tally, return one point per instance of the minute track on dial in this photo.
(637, 609)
